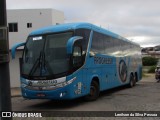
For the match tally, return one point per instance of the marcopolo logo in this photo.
(123, 70)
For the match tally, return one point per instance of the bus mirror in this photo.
(13, 49)
(91, 54)
(71, 42)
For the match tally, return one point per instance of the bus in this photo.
(75, 60)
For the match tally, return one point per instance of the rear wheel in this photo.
(132, 81)
(94, 91)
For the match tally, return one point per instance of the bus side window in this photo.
(77, 56)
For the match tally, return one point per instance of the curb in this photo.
(16, 92)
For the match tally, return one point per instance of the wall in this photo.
(38, 17)
(57, 17)
(14, 70)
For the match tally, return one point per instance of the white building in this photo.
(20, 23)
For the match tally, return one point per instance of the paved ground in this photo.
(145, 96)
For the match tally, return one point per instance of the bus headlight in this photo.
(70, 81)
(65, 83)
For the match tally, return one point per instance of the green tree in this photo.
(149, 61)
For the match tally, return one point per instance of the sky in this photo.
(136, 20)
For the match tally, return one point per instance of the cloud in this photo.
(142, 40)
(125, 17)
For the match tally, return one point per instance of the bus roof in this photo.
(61, 28)
(73, 26)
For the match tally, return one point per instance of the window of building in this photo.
(13, 27)
(29, 25)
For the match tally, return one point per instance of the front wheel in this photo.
(94, 92)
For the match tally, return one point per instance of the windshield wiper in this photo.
(35, 66)
(42, 63)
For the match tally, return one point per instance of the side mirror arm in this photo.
(13, 49)
(71, 42)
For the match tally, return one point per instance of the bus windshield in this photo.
(46, 56)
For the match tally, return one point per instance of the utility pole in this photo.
(5, 91)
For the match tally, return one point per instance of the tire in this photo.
(132, 82)
(136, 78)
(94, 92)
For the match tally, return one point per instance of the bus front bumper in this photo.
(60, 93)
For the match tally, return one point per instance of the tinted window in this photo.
(105, 44)
(97, 43)
(101, 43)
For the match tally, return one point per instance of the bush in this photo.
(149, 61)
(152, 69)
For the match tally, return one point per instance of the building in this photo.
(20, 23)
(151, 51)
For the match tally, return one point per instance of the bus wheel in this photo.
(94, 92)
(132, 81)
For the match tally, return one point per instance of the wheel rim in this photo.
(92, 91)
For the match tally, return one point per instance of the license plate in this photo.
(41, 95)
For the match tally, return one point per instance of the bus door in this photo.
(77, 62)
